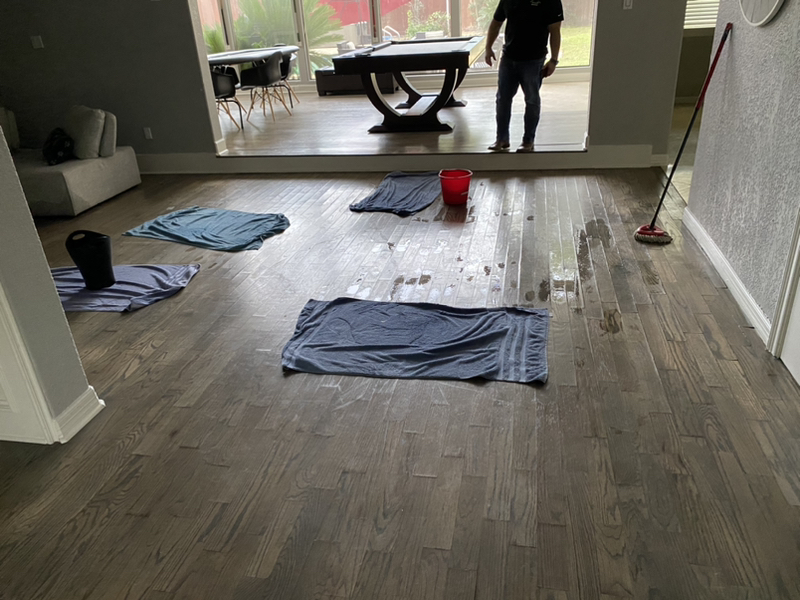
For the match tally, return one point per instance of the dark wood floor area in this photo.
(659, 462)
(338, 125)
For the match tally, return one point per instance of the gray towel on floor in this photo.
(137, 286)
(402, 193)
(214, 228)
(424, 341)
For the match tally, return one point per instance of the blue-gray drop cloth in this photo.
(419, 340)
(217, 229)
(137, 286)
(402, 194)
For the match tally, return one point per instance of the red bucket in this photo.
(455, 185)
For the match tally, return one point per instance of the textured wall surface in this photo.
(136, 59)
(746, 185)
(26, 280)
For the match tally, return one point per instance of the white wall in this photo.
(25, 278)
(746, 185)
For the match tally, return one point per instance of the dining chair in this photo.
(287, 66)
(225, 83)
(262, 81)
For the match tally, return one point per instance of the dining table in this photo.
(252, 55)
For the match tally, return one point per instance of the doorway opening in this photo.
(318, 121)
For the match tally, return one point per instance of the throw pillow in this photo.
(58, 147)
(85, 126)
(108, 143)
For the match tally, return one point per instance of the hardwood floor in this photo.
(660, 461)
(338, 125)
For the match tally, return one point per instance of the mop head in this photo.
(652, 235)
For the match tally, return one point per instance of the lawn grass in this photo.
(576, 46)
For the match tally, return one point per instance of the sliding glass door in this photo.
(415, 19)
(325, 28)
(334, 27)
(215, 32)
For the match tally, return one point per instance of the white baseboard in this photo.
(595, 157)
(659, 160)
(750, 308)
(78, 414)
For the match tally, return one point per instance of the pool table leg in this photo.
(423, 119)
(414, 95)
(452, 102)
(405, 85)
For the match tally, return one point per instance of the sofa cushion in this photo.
(85, 126)
(108, 143)
(76, 185)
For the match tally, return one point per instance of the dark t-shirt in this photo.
(526, 30)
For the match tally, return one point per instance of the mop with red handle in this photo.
(650, 234)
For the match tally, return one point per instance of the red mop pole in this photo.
(650, 234)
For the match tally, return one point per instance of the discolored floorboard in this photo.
(660, 460)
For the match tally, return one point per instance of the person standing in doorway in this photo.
(530, 24)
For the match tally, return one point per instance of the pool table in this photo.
(451, 55)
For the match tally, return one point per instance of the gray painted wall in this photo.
(694, 62)
(746, 184)
(25, 277)
(635, 67)
(135, 58)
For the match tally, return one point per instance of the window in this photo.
(701, 14)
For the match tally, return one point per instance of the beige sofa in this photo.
(100, 170)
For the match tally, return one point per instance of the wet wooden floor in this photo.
(660, 461)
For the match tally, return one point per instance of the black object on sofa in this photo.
(328, 82)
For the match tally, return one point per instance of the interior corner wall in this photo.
(746, 183)
(135, 58)
(694, 63)
(25, 278)
(634, 72)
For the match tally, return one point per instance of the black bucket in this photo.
(91, 253)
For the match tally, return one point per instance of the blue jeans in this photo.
(511, 74)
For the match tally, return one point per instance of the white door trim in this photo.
(28, 386)
(791, 280)
(78, 414)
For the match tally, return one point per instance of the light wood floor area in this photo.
(338, 125)
(660, 461)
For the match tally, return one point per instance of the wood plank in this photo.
(466, 545)
(493, 560)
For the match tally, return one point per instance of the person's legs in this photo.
(507, 85)
(530, 75)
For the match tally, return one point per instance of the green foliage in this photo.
(215, 39)
(482, 12)
(417, 22)
(576, 46)
(264, 23)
